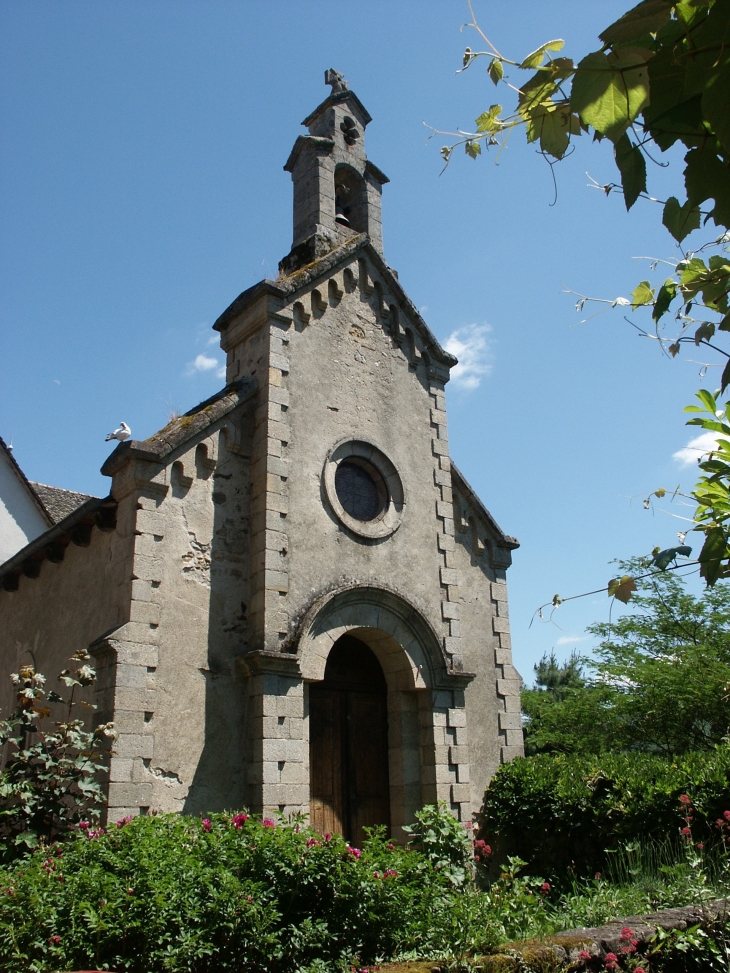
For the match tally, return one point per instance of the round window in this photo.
(360, 490)
(364, 489)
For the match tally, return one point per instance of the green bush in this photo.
(561, 812)
(229, 893)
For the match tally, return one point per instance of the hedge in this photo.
(559, 811)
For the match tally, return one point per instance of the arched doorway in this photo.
(348, 743)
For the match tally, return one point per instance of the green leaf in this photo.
(680, 220)
(708, 400)
(716, 105)
(645, 18)
(609, 91)
(714, 550)
(704, 332)
(724, 325)
(621, 588)
(489, 121)
(496, 70)
(725, 379)
(553, 126)
(707, 177)
(643, 293)
(535, 59)
(663, 559)
(473, 149)
(631, 165)
(667, 293)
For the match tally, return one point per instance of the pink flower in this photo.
(55, 940)
(684, 799)
(206, 824)
(84, 825)
(95, 834)
(122, 821)
(584, 955)
(686, 831)
(699, 846)
(627, 933)
(376, 874)
(239, 820)
(639, 969)
(328, 837)
(390, 873)
(597, 875)
(311, 842)
(545, 888)
(355, 852)
(390, 846)
(611, 961)
(726, 815)
(268, 823)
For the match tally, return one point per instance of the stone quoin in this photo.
(294, 599)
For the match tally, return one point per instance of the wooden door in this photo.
(348, 744)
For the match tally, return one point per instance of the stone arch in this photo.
(405, 644)
(351, 199)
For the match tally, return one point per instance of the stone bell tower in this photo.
(337, 190)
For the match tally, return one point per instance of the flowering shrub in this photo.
(50, 780)
(560, 811)
(225, 893)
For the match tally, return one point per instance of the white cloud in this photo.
(213, 340)
(472, 347)
(571, 639)
(696, 448)
(221, 373)
(202, 363)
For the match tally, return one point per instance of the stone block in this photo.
(452, 645)
(278, 361)
(135, 654)
(130, 745)
(503, 657)
(459, 755)
(455, 628)
(462, 737)
(509, 753)
(120, 769)
(508, 687)
(500, 624)
(457, 717)
(131, 677)
(135, 699)
(462, 773)
(460, 793)
(450, 610)
(515, 738)
(444, 510)
(440, 447)
(449, 576)
(278, 394)
(130, 795)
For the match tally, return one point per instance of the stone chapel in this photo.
(294, 599)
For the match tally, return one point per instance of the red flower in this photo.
(684, 799)
(328, 837)
(627, 933)
(584, 955)
(355, 852)
(311, 842)
(611, 961)
(597, 875)
(55, 940)
(545, 888)
(206, 824)
(239, 820)
(686, 831)
(726, 815)
(268, 823)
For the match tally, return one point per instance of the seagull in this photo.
(122, 433)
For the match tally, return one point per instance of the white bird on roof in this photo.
(122, 433)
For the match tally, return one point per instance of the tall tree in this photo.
(659, 680)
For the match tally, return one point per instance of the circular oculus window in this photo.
(364, 489)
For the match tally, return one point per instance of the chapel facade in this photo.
(294, 599)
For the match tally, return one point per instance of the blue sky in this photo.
(142, 189)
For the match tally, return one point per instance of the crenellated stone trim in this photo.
(508, 682)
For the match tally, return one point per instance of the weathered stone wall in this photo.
(70, 604)
(169, 674)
